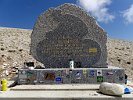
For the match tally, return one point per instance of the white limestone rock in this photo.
(111, 89)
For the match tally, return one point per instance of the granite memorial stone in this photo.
(68, 33)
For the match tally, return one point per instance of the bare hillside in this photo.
(15, 46)
(120, 53)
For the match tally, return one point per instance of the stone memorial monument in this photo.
(72, 48)
(68, 33)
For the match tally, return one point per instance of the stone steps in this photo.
(82, 87)
(59, 95)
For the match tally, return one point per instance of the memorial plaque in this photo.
(68, 33)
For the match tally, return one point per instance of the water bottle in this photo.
(71, 64)
(4, 85)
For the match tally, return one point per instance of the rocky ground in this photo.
(120, 53)
(15, 46)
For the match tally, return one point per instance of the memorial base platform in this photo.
(58, 92)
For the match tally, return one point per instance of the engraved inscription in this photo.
(66, 42)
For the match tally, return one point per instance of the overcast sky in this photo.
(115, 16)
